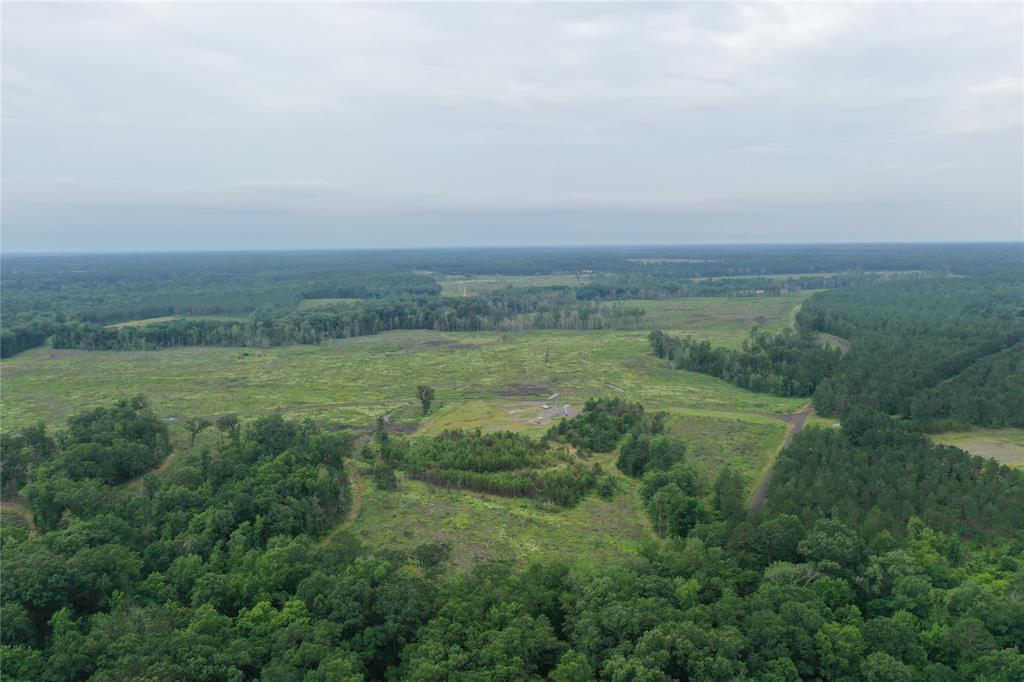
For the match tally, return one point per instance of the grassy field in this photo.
(471, 286)
(1004, 445)
(485, 527)
(310, 303)
(722, 321)
(355, 380)
(483, 380)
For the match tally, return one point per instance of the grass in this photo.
(487, 527)
(722, 321)
(746, 442)
(310, 303)
(1004, 445)
(483, 380)
(471, 286)
(492, 415)
(143, 323)
(355, 380)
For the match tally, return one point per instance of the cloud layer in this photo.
(261, 125)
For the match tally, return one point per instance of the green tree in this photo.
(194, 426)
(425, 394)
(729, 498)
(228, 426)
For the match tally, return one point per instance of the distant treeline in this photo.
(791, 363)
(508, 310)
(940, 352)
(40, 295)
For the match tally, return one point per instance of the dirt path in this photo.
(794, 424)
(353, 513)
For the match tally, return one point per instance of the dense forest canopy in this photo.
(945, 351)
(214, 571)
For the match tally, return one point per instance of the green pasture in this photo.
(722, 321)
(471, 286)
(483, 380)
(355, 380)
(483, 527)
(1004, 445)
(310, 303)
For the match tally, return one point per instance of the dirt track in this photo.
(795, 422)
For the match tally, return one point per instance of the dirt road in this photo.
(795, 422)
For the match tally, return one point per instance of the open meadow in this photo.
(491, 381)
(1004, 445)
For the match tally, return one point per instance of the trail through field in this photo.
(794, 424)
(353, 513)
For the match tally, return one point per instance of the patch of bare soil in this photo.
(546, 412)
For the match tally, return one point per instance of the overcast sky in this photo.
(255, 125)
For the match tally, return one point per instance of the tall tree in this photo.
(194, 426)
(426, 395)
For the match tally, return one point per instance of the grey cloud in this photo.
(195, 125)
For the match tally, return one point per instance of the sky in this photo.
(210, 126)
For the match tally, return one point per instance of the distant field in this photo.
(143, 323)
(355, 380)
(471, 286)
(311, 303)
(725, 321)
(483, 380)
(170, 318)
(1004, 445)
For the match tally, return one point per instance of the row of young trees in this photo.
(791, 363)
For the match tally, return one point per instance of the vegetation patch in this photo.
(1006, 446)
(500, 463)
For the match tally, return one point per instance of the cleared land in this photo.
(1004, 445)
(487, 527)
(326, 302)
(722, 321)
(356, 380)
(471, 286)
(483, 380)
